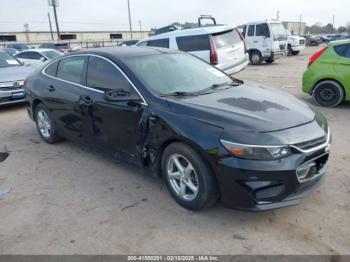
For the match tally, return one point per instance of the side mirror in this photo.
(121, 95)
(43, 59)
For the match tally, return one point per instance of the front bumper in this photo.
(298, 47)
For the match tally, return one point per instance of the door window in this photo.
(159, 43)
(104, 76)
(71, 69)
(52, 69)
(251, 30)
(262, 30)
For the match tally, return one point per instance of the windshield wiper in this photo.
(229, 84)
(180, 93)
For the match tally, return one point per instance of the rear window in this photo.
(193, 43)
(227, 38)
(159, 43)
(343, 50)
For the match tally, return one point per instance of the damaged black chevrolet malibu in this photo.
(208, 135)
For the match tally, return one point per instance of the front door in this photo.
(111, 109)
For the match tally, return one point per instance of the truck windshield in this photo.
(278, 31)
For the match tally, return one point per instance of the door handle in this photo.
(86, 100)
(51, 88)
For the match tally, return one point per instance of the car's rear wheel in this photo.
(188, 177)
(255, 58)
(45, 124)
(328, 93)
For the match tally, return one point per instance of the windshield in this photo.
(170, 73)
(278, 31)
(52, 54)
(7, 60)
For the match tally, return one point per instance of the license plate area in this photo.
(18, 95)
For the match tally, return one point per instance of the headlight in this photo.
(256, 152)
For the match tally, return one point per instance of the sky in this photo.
(95, 15)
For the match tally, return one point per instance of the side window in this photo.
(51, 70)
(159, 43)
(193, 43)
(103, 75)
(71, 69)
(244, 31)
(343, 50)
(251, 30)
(262, 30)
(143, 43)
(30, 55)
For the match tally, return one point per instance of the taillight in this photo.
(316, 55)
(243, 40)
(213, 52)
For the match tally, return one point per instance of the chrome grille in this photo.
(312, 143)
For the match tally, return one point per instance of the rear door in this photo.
(230, 48)
(62, 89)
(197, 45)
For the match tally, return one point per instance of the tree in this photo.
(341, 29)
(329, 28)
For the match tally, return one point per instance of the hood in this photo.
(8, 74)
(246, 108)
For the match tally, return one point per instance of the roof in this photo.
(39, 50)
(126, 51)
(339, 42)
(265, 21)
(193, 31)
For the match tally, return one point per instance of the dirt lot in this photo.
(66, 199)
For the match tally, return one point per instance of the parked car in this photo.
(11, 51)
(312, 41)
(62, 47)
(37, 57)
(221, 46)
(295, 43)
(266, 41)
(19, 47)
(12, 76)
(128, 43)
(209, 135)
(327, 78)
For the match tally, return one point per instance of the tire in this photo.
(290, 51)
(295, 52)
(328, 93)
(202, 191)
(45, 124)
(255, 58)
(270, 61)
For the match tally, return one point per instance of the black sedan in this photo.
(209, 135)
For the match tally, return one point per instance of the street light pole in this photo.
(130, 19)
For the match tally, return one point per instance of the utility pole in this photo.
(26, 31)
(130, 19)
(140, 29)
(54, 4)
(278, 15)
(333, 23)
(48, 14)
(300, 19)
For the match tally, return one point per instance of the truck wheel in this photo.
(270, 61)
(295, 52)
(255, 58)
(328, 93)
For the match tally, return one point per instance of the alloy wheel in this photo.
(182, 177)
(44, 123)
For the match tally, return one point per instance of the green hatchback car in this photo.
(327, 78)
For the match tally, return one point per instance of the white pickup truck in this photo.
(295, 43)
(266, 41)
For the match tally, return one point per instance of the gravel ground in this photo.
(66, 199)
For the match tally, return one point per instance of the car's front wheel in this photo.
(188, 177)
(328, 93)
(255, 58)
(45, 124)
